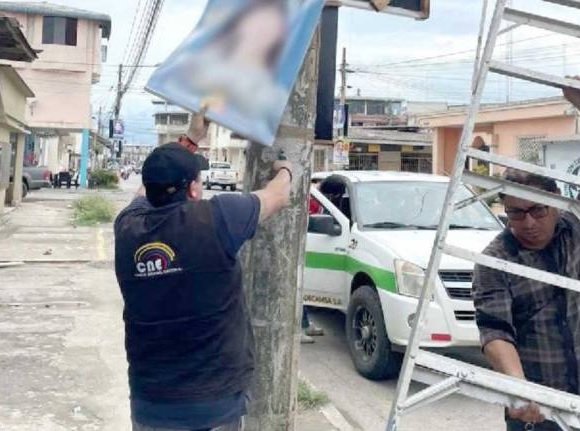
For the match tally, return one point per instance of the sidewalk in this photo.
(62, 346)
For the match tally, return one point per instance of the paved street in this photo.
(61, 336)
(366, 404)
(61, 340)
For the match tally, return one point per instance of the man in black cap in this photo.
(188, 337)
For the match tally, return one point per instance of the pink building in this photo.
(527, 130)
(70, 41)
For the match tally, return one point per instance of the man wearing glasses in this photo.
(528, 329)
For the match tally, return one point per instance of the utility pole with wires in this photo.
(343, 78)
(273, 261)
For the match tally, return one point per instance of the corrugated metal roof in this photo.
(357, 134)
(13, 43)
(50, 9)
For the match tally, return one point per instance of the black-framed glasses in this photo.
(518, 214)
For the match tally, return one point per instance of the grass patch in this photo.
(103, 179)
(309, 398)
(92, 210)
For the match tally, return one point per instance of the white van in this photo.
(367, 257)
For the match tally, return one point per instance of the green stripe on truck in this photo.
(335, 262)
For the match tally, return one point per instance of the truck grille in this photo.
(456, 276)
(465, 316)
(457, 284)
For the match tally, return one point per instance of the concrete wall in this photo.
(502, 137)
(58, 70)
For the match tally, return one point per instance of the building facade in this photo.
(70, 41)
(220, 144)
(522, 130)
(14, 93)
(383, 134)
(136, 153)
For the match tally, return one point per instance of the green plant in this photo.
(92, 210)
(103, 178)
(309, 398)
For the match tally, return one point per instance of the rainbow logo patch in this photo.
(154, 258)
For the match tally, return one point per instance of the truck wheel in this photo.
(224, 188)
(233, 188)
(208, 185)
(24, 189)
(369, 346)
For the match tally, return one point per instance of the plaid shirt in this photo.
(540, 320)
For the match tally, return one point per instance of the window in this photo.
(319, 160)
(179, 119)
(376, 108)
(58, 30)
(356, 107)
(417, 205)
(161, 119)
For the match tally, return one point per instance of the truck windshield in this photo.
(416, 205)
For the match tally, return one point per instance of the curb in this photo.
(330, 412)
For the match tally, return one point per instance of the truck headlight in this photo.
(410, 278)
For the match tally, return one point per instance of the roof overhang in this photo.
(13, 43)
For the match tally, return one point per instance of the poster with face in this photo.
(241, 62)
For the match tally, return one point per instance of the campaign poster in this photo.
(241, 61)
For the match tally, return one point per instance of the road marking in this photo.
(101, 252)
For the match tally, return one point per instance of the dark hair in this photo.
(528, 179)
(160, 195)
(333, 185)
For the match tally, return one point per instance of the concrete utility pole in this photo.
(117, 108)
(343, 78)
(274, 261)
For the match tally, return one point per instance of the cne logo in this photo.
(154, 258)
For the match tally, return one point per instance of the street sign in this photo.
(418, 9)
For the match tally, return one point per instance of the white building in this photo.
(220, 145)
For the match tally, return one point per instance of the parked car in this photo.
(34, 178)
(66, 178)
(220, 174)
(367, 257)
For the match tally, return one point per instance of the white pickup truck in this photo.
(367, 256)
(220, 174)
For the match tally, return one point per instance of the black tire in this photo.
(24, 189)
(208, 185)
(224, 188)
(368, 343)
(233, 188)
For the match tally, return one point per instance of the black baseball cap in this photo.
(173, 165)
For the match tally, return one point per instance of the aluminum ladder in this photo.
(447, 376)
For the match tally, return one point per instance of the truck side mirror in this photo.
(324, 224)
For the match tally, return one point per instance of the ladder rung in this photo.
(569, 3)
(512, 268)
(532, 75)
(543, 22)
(509, 162)
(491, 386)
(523, 192)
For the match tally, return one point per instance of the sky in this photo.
(391, 56)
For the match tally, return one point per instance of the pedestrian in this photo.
(334, 189)
(188, 334)
(310, 330)
(528, 329)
